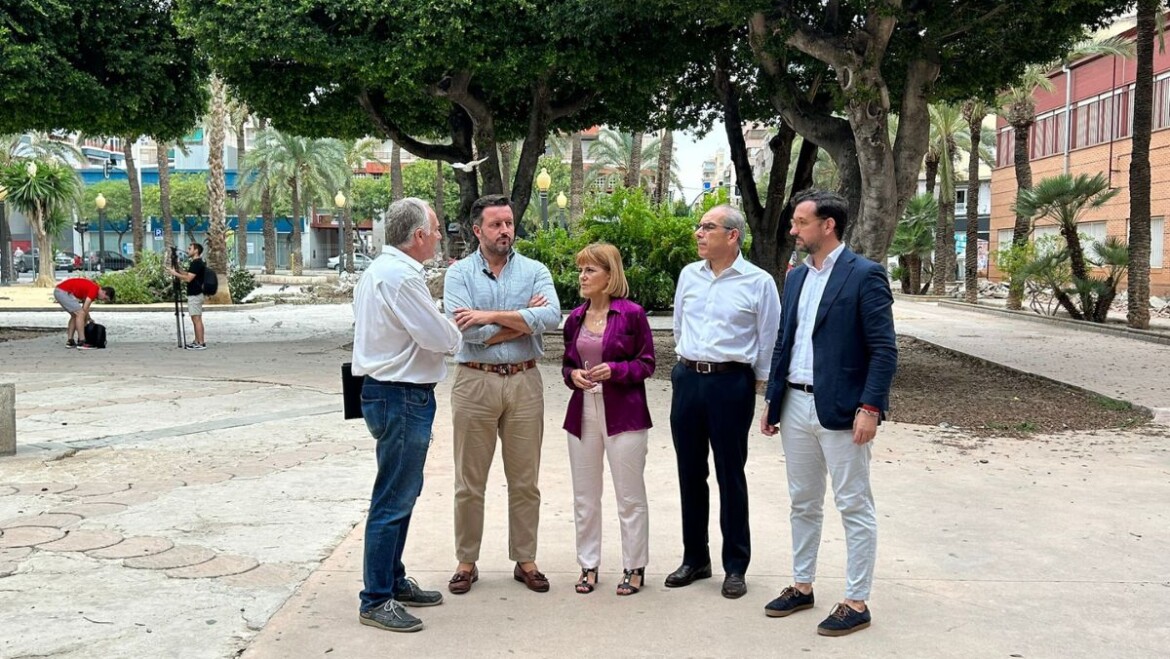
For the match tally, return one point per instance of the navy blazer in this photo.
(855, 351)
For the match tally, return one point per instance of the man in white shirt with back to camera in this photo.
(400, 343)
(726, 312)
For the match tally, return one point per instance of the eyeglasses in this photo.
(708, 226)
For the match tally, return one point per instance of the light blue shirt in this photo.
(469, 284)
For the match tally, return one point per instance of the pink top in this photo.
(589, 347)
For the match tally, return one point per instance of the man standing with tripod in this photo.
(193, 275)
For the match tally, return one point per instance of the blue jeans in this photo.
(399, 416)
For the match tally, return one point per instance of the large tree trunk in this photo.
(1138, 313)
(137, 233)
(662, 177)
(634, 171)
(577, 180)
(164, 196)
(1021, 125)
(973, 113)
(217, 223)
(771, 244)
(931, 166)
(242, 211)
(396, 189)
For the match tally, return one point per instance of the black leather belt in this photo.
(712, 367)
(806, 388)
(429, 386)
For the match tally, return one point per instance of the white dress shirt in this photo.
(399, 334)
(800, 367)
(730, 318)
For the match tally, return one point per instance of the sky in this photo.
(691, 152)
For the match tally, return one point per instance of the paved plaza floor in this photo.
(166, 503)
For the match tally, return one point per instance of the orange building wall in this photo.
(1093, 160)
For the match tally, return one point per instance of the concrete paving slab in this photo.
(177, 556)
(221, 566)
(83, 540)
(29, 536)
(133, 548)
(988, 547)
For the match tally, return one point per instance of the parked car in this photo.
(29, 261)
(109, 261)
(67, 261)
(360, 262)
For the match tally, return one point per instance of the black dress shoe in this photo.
(734, 587)
(686, 575)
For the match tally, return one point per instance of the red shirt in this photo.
(80, 288)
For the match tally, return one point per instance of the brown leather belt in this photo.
(502, 369)
(712, 367)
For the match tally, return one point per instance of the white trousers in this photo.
(627, 461)
(810, 450)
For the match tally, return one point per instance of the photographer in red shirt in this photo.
(75, 296)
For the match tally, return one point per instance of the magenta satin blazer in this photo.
(628, 347)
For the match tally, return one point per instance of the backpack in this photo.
(95, 334)
(210, 282)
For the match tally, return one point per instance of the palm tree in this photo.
(46, 192)
(138, 235)
(614, 152)
(164, 193)
(914, 240)
(946, 121)
(973, 113)
(1018, 107)
(39, 145)
(217, 223)
(634, 170)
(238, 115)
(396, 188)
(665, 158)
(570, 147)
(1064, 198)
(1138, 312)
(306, 166)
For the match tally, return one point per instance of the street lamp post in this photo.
(81, 226)
(100, 202)
(543, 182)
(7, 269)
(563, 201)
(339, 202)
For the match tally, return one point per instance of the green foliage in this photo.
(113, 67)
(654, 242)
(144, 283)
(241, 282)
(418, 180)
(915, 233)
(117, 194)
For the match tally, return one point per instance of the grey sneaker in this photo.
(197, 346)
(391, 617)
(415, 596)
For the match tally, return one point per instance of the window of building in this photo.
(1157, 240)
(960, 201)
(1042, 236)
(1102, 119)
(1004, 238)
(1047, 134)
(1005, 150)
(1091, 232)
(1161, 117)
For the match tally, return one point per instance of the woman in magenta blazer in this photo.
(609, 353)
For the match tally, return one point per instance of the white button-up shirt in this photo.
(800, 367)
(730, 318)
(399, 334)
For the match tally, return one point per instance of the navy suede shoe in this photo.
(844, 620)
(790, 601)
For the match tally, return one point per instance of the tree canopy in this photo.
(107, 67)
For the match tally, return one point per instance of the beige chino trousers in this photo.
(486, 406)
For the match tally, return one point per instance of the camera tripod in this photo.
(176, 287)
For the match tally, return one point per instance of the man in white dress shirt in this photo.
(400, 343)
(726, 313)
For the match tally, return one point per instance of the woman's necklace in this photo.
(599, 321)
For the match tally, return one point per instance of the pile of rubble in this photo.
(1159, 307)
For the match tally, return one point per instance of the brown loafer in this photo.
(535, 581)
(461, 582)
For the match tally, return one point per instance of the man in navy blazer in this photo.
(829, 387)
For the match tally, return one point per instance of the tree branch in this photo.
(390, 130)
